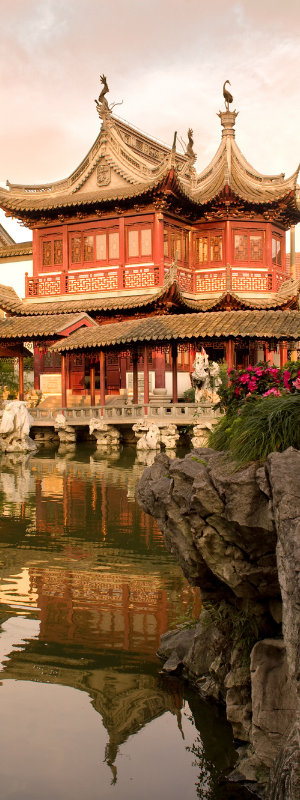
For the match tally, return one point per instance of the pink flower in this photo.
(286, 378)
(258, 371)
(237, 392)
(275, 392)
(244, 378)
(252, 385)
(296, 383)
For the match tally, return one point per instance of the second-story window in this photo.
(139, 243)
(94, 246)
(208, 247)
(52, 251)
(248, 246)
(176, 240)
(276, 250)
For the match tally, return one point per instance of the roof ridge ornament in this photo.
(227, 117)
(104, 110)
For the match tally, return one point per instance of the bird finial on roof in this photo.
(227, 95)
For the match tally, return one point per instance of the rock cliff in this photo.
(236, 535)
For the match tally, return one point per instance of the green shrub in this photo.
(189, 395)
(262, 425)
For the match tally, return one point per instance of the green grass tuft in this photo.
(259, 427)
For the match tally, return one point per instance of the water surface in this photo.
(87, 588)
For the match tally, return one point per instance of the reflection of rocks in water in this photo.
(145, 457)
(108, 453)
(66, 449)
(16, 480)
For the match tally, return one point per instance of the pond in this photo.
(87, 588)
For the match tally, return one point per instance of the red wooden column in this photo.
(21, 377)
(160, 370)
(36, 367)
(283, 353)
(102, 379)
(174, 373)
(268, 354)
(230, 354)
(135, 378)
(92, 384)
(63, 381)
(158, 245)
(121, 252)
(146, 376)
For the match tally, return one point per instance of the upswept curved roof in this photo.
(125, 163)
(280, 325)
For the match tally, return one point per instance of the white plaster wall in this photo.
(12, 273)
(183, 383)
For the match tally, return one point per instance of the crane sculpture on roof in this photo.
(227, 96)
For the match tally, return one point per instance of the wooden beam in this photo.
(174, 373)
(283, 353)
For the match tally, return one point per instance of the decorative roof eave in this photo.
(20, 249)
(261, 325)
(31, 328)
(168, 186)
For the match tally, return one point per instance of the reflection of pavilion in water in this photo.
(127, 701)
(96, 591)
(102, 603)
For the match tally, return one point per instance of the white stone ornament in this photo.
(14, 428)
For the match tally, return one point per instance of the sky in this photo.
(165, 60)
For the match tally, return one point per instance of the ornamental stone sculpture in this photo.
(205, 378)
(14, 428)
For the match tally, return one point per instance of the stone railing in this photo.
(182, 413)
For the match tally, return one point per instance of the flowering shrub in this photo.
(262, 380)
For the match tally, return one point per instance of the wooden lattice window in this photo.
(176, 241)
(47, 254)
(201, 254)
(139, 242)
(216, 248)
(58, 252)
(241, 247)
(256, 247)
(276, 251)
(166, 242)
(113, 245)
(101, 248)
(76, 250)
(88, 248)
(248, 246)
(185, 246)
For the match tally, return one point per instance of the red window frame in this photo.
(174, 236)
(208, 234)
(83, 234)
(248, 232)
(138, 227)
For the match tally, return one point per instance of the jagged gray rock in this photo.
(236, 534)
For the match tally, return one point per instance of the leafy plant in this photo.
(251, 431)
(236, 626)
(189, 395)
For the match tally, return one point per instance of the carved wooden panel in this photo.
(49, 286)
(201, 249)
(138, 278)
(240, 247)
(210, 283)
(216, 248)
(92, 282)
(185, 280)
(249, 282)
(47, 254)
(88, 248)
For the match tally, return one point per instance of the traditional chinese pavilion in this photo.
(136, 232)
